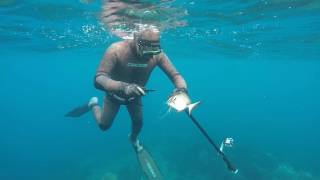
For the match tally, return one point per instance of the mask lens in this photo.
(149, 47)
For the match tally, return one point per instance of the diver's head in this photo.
(147, 42)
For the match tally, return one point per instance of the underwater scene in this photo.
(254, 66)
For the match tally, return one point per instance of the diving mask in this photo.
(148, 48)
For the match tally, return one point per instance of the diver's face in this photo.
(148, 47)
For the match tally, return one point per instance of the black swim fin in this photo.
(148, 165)
(78, 111)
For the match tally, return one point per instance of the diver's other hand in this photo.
(178, 90)
(132, 90)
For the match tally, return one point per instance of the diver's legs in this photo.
(105, 118)
(135, 111)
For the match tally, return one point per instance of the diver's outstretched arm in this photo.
(175, 77)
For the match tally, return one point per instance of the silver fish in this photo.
(180, 101)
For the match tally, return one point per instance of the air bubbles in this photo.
(87, 28)
(240, 13)
(60, 47)
(256, 26)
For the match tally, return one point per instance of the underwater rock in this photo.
(109, 176)
(287, 172)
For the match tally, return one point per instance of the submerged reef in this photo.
(109, 176)
(287, 172)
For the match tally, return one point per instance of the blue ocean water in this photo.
(253, 64)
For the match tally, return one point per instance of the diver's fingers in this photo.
(136, 92)
(141, 90)
(147, 90)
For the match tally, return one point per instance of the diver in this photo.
(123, 73)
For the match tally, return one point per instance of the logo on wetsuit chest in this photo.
(138, 65)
